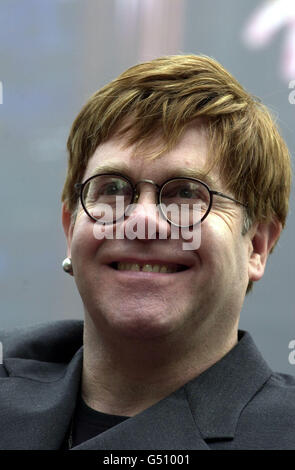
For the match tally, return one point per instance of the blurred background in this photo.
(54, 55)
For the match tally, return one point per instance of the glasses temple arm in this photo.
(217, 193)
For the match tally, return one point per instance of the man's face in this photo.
(205, 295)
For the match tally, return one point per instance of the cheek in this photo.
(213, 243)
(222, 250)
(85, 241)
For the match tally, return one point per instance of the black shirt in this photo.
(88, 423)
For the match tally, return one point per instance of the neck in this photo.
(123, 375)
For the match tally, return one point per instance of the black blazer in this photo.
(238, 403)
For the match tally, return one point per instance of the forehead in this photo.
(189, 157)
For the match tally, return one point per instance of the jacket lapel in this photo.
(38, 398)
(204, 410)
(37, 401)
(168, 424)
(218, 396)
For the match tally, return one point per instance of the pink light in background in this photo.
(289, 53)
(263, 25)
(159, 25)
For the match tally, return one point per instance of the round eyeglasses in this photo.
(183, 201)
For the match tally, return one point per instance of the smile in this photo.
(148, 267)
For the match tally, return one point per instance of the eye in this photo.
(111, 189)
(102, 186)
(187, 192)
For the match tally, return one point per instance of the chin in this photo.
(136, 323)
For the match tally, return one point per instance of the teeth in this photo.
(155, 268)
(134, 267)
(148, 268)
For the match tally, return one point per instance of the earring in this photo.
(67, 265)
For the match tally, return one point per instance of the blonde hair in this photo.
(164, 96)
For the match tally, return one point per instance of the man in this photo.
(172, 153)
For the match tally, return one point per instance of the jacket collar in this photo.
(205, 409)
(39, 385)
(218, 396)
(168, 424)
(38, 400)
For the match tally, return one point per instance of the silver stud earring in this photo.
(67, 265)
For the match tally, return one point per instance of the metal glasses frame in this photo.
(79, 187)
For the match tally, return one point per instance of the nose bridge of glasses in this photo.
(147, 210)
(144, 181)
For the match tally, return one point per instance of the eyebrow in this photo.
(119, 167)
(197, 174)
(122, 168)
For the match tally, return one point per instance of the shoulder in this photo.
(267, 421)
(51, 341)
(278, 393)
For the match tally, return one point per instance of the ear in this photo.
(68, 227)
(263, 237)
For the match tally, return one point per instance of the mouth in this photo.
(149, 267)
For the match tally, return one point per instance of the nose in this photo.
(144, 219)
(146, 183)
